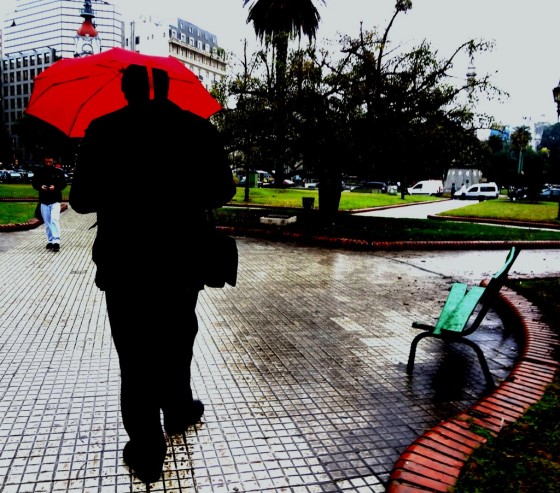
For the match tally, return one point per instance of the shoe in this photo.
(55, 247)
(147, 465)
(49, 246)
(173, 423)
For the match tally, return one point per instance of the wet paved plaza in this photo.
(301, 367)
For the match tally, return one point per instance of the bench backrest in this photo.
(492, 289)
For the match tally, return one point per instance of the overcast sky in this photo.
(526, 34)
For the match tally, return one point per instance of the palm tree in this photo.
(276, 22)
(520, 139)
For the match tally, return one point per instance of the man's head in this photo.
(135, 84)
(49, 161)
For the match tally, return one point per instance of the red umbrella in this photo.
(74, 91)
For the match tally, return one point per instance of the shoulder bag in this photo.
(220, 257)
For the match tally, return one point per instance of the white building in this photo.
(196, 48)
(40, 32)
(39, 24)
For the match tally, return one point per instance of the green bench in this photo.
(462, 313)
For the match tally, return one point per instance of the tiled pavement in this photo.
(301, 367)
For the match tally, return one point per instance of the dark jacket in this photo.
(168, 166)
(49, 175)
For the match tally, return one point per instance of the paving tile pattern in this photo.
(301, 367)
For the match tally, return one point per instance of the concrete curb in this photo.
(500, 222)
(433, 462)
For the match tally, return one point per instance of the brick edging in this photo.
(433, 462)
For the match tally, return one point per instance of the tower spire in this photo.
(87, 38)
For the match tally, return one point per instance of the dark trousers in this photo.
(153, 331)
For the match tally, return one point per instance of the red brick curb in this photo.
(433, 462)
(365, 245)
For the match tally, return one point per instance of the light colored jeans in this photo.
(51, 218)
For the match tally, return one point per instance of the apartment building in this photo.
(197, 48)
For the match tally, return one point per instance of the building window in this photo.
(183, 38)
(191, 41)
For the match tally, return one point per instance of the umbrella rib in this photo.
(86, 101)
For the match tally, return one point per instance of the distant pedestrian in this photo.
(50, 181)
(453, 190)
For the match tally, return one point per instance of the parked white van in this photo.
(427, 187)
(478, 191)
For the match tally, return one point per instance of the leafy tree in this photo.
(6, 147)
(409, 114)
(375, 110)
(38, 137)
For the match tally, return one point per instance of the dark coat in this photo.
(149, 172)
(49, 175)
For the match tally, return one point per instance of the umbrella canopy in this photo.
(74, 91)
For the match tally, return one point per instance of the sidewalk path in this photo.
(418, 210)
(301, 367)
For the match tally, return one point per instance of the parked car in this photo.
(26, 175)
(427, 187)
(10, 176)
(479, 191)
(550, 194)
(530, 194)
(371, 187)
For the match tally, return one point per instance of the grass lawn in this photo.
(504, 208)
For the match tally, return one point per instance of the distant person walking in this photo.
(142, 253)
(50, 181)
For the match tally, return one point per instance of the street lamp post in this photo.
(556, 95)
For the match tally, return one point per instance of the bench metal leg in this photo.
(482, 360)
(412, 354)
